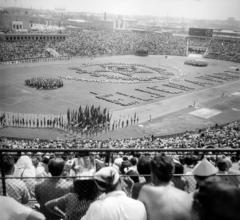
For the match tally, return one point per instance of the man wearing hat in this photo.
(114, 203)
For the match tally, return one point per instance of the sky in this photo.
(195, 9)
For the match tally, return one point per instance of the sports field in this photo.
(167, 95)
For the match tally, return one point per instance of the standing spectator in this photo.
(10, 209)
(77, 203)
(113, 204)
(15, 188)
(52, 188)
(162, 200)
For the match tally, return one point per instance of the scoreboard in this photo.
(201, 32)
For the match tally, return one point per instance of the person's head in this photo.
(222, 165)
(8, 164)
(107, 179)
(216, 201)
(133, 161)
(55, 166)
(144, 166)
(190, 161)
(125, 165)
(24, 162)
(45, 159)
(85, 189)
(35, 162)
(203, 170)
(162, 169)
(179, 169)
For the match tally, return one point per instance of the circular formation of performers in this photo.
(44, 83)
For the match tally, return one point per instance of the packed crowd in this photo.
(225, 50)
(141, 187)
(22, 50)
(93, 43)
(44, 83)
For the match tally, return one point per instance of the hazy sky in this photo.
(199, 9)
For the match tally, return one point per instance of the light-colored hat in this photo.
(204, 168)
(109, 178)
(118, 161)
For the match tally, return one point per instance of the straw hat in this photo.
(204, 168)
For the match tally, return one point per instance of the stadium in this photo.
(77, 101)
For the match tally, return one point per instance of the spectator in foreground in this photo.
(10, 209)
(216, 201)
(52, 188)
(113, 204)
(77, 203)
(162, 200)
(15, 188)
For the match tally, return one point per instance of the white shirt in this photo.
(10, 209)
(116, 206)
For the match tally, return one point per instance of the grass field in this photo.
(159, 112)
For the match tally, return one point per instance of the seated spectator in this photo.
(191, 183)
(40, 167)
(117, 163)
(15, 188)
(52, 188)
(10, 209)
(162, 200)
(133, 161)
(203, 170)
(216, 201)
(178, 180)
(126, 164)
(227, 176)
(75, 204)
(24, 168)
(144, 169)
(113, 204)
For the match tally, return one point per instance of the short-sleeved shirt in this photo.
(116, 206)
(17, 189)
